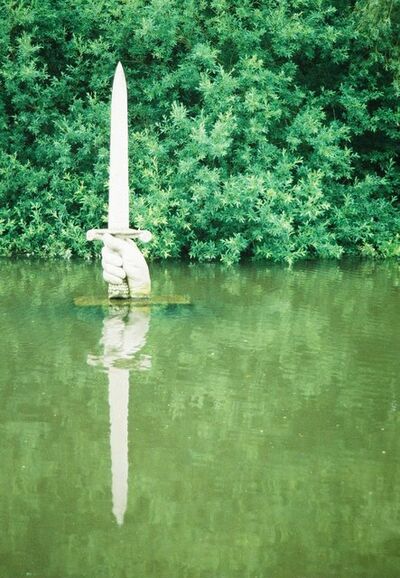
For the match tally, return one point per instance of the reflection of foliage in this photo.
(256, 437)
(267, 129)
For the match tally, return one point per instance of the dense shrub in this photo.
(263, 129)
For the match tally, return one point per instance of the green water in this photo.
(254, 433)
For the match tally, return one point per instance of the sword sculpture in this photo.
(118, 196)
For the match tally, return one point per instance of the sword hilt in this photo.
(119, 291)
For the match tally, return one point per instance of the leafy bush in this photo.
(262, 129)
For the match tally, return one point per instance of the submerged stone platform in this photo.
(153, 301)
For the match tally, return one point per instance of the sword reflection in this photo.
(118, 398)
(123, 336)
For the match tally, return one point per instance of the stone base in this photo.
(151, 301)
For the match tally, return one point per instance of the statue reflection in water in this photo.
(124, 334)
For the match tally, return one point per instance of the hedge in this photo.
(264, 130)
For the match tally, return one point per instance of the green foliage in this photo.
(267, 130)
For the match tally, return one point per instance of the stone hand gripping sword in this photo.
(118, 196)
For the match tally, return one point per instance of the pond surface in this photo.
(254, 433)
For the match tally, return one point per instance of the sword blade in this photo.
(118, 199)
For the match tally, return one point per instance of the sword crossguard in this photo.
(138, 234)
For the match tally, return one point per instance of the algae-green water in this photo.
(251, 434)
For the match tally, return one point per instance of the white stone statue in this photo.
(124, 267)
